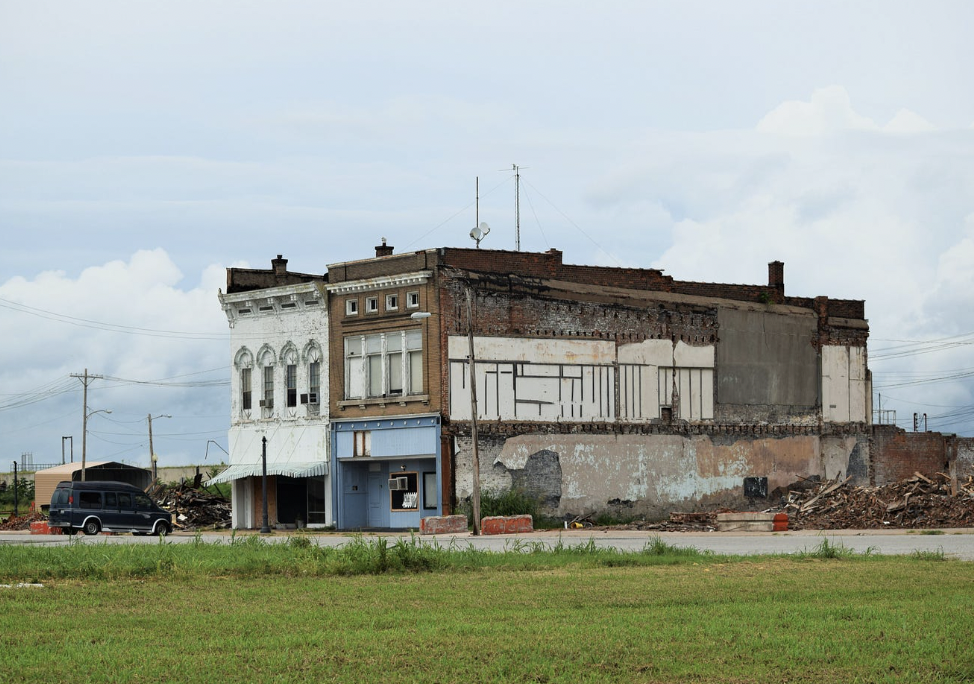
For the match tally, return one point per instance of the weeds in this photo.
(831, 550)
(929, 555)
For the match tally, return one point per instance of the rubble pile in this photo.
(21, 522)
(677, 522)
(918, 502)
(192, 508)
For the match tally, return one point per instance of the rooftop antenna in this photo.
(479, 231)
(517, 207)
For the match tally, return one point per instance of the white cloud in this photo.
(123, 319)
(828, 111)
(906, 121)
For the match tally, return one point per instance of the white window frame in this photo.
(412, 300)
(351, 307)
(392, 302)
(371, 305)
(361, 364)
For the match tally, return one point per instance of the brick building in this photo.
(597, 388)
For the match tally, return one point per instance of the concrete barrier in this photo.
(41, 527)
(752, 522)
(443, 524)
(500, 524)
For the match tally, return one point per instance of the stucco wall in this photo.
(767, 358)
(651, 474)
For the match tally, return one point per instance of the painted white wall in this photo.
(844, 385)
(298, 434)
(574, 380)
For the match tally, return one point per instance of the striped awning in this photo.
(242, 470)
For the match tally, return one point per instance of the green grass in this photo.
(405, 612)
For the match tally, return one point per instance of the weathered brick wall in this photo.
(897, 454)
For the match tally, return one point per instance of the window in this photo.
(314, 382)
(351, 307)
(110, 501)
(268, 402)
(291, 383)
(386, 364)
(392, 302)
(245, 389)
(363, 443)
(124, 501)
(414, 358)
(412, 300)
(89, 499)
(430, 498)
(371, 305)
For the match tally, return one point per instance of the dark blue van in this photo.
(94, 507)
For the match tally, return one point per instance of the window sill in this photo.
(384, 401)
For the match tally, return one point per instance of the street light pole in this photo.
(152, 453)
(84, 437)
(264, 528)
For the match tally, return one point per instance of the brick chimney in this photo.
(776, 276)
(383, 249)
(279, 265)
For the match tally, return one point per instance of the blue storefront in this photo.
(386, 472)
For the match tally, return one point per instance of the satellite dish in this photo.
(479, 233)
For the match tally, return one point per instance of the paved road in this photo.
(955, 543)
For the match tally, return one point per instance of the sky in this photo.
(146, 147)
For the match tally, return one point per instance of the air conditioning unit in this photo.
(398, 484)
(269, 403)
(313, 398)
(304, 398)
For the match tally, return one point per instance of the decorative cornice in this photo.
(385, 282)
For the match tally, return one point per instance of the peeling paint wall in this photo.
(844, 384)
(551, 380)
(649, 474)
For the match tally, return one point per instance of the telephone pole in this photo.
(85, 381)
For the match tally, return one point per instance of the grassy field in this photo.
(254, 612)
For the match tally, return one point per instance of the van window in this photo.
(124, 501)
(142, 501)
(60, 497)
(89, 499)
(110, 500)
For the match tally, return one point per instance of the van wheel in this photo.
(162, 530)
(92, 527)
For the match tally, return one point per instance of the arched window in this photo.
(290, 359)
(266, 360)
(313, 355)
(244, 363)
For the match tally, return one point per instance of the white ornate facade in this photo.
(279, 391)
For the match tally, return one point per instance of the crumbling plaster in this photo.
(650, 474)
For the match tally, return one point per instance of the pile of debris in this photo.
(192, 507)
(919, 502)
(677, 522)
(21, 522)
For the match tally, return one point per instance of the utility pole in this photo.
(85, 380)
(152, 454)
(475, 454)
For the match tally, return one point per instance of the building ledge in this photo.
(384, 401)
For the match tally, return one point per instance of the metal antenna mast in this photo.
(517, 207)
